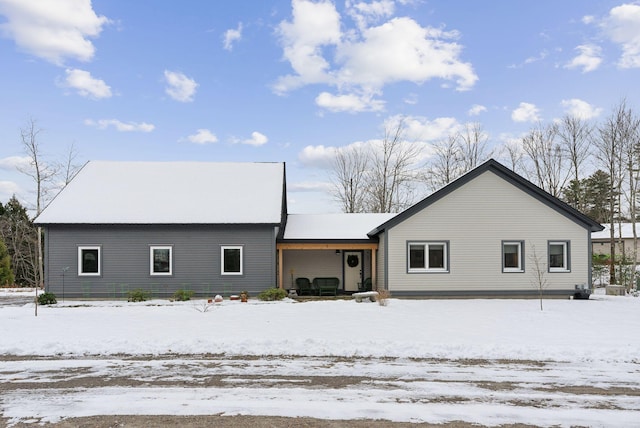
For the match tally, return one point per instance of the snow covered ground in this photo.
(575, 362)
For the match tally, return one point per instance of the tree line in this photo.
(592, 166)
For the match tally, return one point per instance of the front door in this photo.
(352, 270)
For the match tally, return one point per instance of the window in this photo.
(512, 257)
(231, 260)
(559, 256)
(89, 263)
(161, 261)
(428, 257)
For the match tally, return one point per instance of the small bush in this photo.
(272, 294)
(47, 299)
(383, 295)
(137, 295)
(182, 295)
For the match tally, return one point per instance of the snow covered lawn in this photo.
(419, 358)
(601, 329)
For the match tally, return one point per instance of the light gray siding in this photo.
(126, 260)
(474, 220)
(381, 280)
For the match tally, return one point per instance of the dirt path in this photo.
(215, 390)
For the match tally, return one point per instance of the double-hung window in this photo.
(161, 260)
(231, 260)
(428, 257)
(89, 260)
(512, 256)
(559, 256)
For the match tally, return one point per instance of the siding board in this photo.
(125, 259)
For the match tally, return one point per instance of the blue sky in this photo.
(292, 81)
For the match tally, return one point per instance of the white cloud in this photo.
(418, 128)
(120, 126)
(364, 13)
(257, 139)
(8, 189)
(363, 60)
(589, 58)
(52, 30)
(181, 88)
(525, 112)
(86, 85)
(622, 26)
(476, 109)
(231, 36)
(349, 102)
(580, 109)
(15, 163)
(202, 136)
(588, 19)
(317, 156)
(418, 131)
(309, 186)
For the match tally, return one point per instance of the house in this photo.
(163, 226)
(224, 227)
(601, 241)
(488, 233)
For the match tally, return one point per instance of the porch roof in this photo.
(333, 227)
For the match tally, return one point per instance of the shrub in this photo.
(137, 295)
(182, 295)
(47, 299)
(383, 295)
(272, 294)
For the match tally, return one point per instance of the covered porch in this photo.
(353, 265)
(329, 248)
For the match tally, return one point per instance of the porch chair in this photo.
(304, 287)
(366, 285)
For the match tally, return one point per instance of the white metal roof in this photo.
(106, 192)
(332, 226)
(627, 231)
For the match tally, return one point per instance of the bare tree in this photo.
(69, 167)
(391, 175)
(472, 146)
(459, 153)
(515, 155)
(539, 272)
(629, 129)
(42, 174)
(609, 146)
(444, 165)
(575, 135)
(548, 161)
(349, 178)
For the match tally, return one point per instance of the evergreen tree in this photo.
(6, 274)
(21, 240)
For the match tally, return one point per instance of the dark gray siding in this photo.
(125, 259)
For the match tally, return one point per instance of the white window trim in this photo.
(231, 247)
(565, 255)
(520, 267)
(89, 247)
(160, 247)
(426, 245)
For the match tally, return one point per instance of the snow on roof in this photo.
(170, 193)
(627, 231)
(333, 226)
